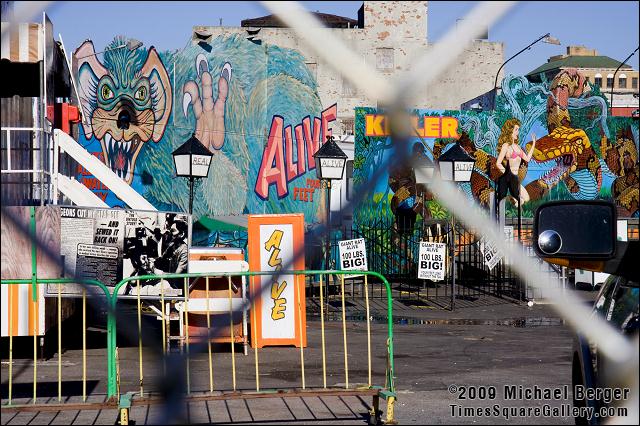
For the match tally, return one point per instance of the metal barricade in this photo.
(123, 398)
(34, 292)
(213, 392)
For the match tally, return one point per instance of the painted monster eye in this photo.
(140, 94)
(106, 92)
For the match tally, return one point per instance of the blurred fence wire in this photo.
(397, 96)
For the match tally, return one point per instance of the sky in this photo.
(610, 27)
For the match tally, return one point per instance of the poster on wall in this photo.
(490, 253)
(109, 245)
(276, 243)
(432, 258)
(353, 256)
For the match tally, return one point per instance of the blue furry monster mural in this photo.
(255, 107)
(580, 153)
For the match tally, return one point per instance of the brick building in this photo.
(389, 36)
(599, 70)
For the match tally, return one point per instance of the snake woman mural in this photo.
(583, 154)
(256, 108)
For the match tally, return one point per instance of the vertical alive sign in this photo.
(276, 244)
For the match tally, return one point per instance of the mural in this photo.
(255, 107)
(583, 153)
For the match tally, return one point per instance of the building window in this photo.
(384, 59)
(597, 81)
(609, 81)
(634, 82)
(348, 90)
(622, 81)
(348, 126)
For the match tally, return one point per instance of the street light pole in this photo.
(192, 161)
(545, 38)
(614, 79)
(326, 183)
(456, 165)
(330, 164)
(191, 182)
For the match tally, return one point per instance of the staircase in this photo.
(81, 195)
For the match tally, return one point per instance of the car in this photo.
(589, 280)
(616, 303)
(582, 235)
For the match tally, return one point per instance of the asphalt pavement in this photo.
(444, 362)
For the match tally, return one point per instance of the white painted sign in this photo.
(622, 230)
(432, 258)
(200, 164)
(277, 291)
(509, 238)
(490, 253)
(508, 233)
(353, 255)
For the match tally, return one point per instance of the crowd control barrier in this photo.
(123, 398)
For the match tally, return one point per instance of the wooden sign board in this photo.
(278, 317)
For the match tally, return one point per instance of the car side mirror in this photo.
(575, 230)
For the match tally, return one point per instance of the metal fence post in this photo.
(111, 345)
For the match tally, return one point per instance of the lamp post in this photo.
(614, 78)
(545, 39)
(455, 165)
(330, 164)
(192, 160)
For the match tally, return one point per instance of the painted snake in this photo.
(576, 162)
(622, 160)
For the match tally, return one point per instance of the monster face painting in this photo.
(256, 108)
(126, 103)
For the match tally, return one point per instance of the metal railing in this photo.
(35, 282)
(114, 385)
(424, 71)
(27, 164)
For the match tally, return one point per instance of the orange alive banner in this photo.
(278, 316)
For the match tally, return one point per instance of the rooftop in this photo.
(578, 57)
(328, 20)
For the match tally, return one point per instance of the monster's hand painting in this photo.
(124, 105)
(209, 113)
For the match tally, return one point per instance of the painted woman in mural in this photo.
(510, 150)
